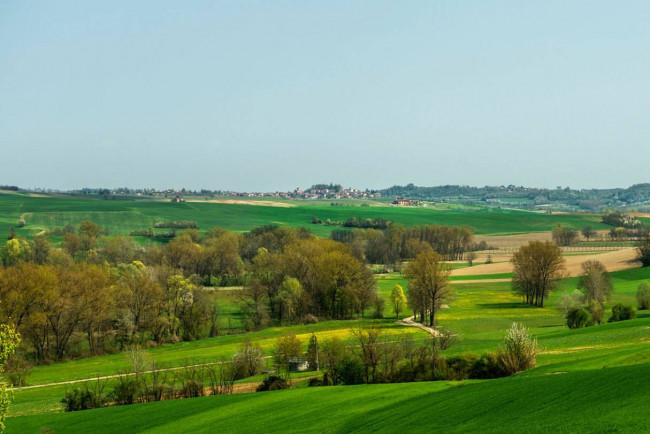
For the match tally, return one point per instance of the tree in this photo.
(289, 299)
(313, 353)
(564, 236)
(398, 298)
(643, 251)
(643, 296)
(286, 348)
(588, 232)
(428, 284)
(41, 249)
(595, 282)
(248, 360)
(369, 348)
(333, 350)
(537, 268)
(470, 257)
(14, 251)
(9, 340)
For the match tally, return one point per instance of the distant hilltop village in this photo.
(564, 199)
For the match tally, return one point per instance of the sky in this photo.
(274, 95)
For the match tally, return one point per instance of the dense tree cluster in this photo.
(397, 243)
(110, 293)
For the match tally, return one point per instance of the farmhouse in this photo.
(400, 201)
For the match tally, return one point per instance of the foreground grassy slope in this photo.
(124, 216)
(479, 314)
(605, 400)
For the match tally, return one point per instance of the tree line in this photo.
(397, 243)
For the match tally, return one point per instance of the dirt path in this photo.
(467, 282)
(410, 321)
(623, 259)
(108, 377)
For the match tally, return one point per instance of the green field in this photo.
(604, 400)
(124, 216)
(478, 314)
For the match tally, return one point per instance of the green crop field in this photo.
(124, 216)
(614, 399)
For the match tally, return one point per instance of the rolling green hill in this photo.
(604, 400)
(124, 216)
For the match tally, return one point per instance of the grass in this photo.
(605, 400)
(117, 216)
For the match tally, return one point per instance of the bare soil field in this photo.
(614, 261)
(273, 203)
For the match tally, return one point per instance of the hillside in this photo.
(116, 216)
(611, 399)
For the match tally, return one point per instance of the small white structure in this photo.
(298, 364)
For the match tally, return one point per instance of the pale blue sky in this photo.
(275, 94)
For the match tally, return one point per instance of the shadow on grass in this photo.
(504, 306)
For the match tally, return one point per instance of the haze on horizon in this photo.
(274, 95)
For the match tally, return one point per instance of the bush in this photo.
(519, 351)
(127, 391)
(348, 370)
(272, 382)
(577, 318)
(487, 367)
(310, 319)
(315, 382)
(82, 399)
(459, 367)
(643, 296)
(192, 389)
(596, 310)
(621, 312)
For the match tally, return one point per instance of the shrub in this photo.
(127, 390)
(310, 319)
(519, 351)
(315, 382)
(621, 312)
(487, 367)
(596, 310)
(643, 296)
(577, 318)
(77, 399)
(348, 370)
(83, 398)
(273, 382)
(459, 367)
(192, 389)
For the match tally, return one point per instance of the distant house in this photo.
(298, 364)
(400, 201)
